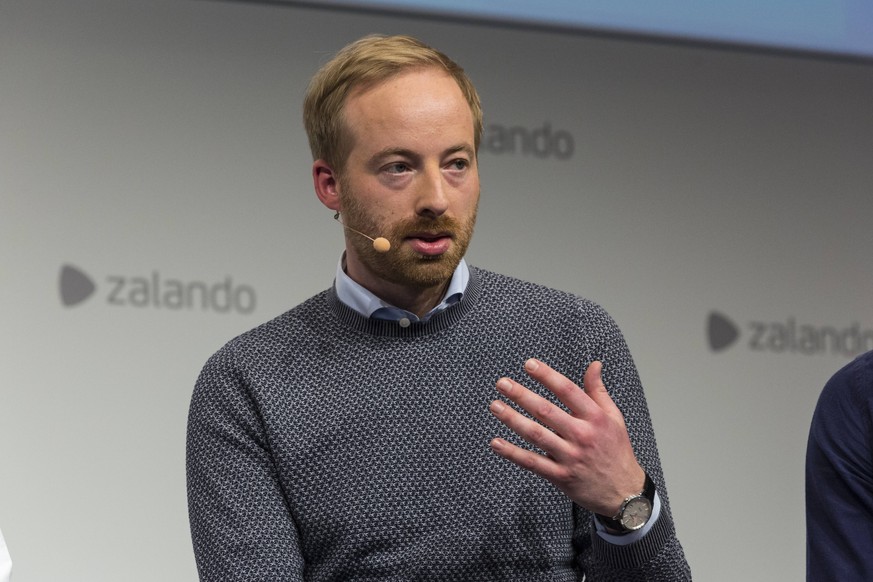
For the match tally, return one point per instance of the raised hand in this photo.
(587, 451)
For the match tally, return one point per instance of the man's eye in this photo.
(397, 168)
(459, 164)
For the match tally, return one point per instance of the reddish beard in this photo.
(402, 265)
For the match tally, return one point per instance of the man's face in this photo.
(411, 177)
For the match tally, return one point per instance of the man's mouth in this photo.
(430, 244)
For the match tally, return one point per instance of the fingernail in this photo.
(497, 406)
(504, 386)
(496, 444)
(531, 365)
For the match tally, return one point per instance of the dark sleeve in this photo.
(658, 556)
(240, 524)
(839, 478)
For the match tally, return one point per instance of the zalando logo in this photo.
(788, 336)
(156, 291)
(540, 142)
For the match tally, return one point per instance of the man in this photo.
(839, 478)
(348, 439)
(5, 561)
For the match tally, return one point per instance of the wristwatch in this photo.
(634, 512)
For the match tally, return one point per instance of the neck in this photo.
(417, 300)
(420, 304)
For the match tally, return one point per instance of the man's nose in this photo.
(432, 199)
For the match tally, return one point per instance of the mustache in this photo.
(443, 224)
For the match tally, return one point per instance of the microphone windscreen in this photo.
(382, 245)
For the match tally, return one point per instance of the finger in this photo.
(538, 464)
(567, 392)
(532, 432)
(596, 389)
(537, 406)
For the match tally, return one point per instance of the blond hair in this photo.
(364, 63)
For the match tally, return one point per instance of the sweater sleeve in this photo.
(657, 556)
(240, 523)
(839, 478)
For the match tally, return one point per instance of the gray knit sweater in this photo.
(323, 445)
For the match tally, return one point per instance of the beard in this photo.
(402, 265)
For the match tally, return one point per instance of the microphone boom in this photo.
(380, 244)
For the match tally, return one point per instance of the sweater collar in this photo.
(368, 304)
(440, 321)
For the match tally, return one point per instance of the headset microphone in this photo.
(380, 244)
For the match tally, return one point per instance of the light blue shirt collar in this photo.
(368, 305)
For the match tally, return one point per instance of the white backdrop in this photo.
(155, 149)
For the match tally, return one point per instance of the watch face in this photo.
(636, 513)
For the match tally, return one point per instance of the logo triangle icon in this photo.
(721, 331)
(75, 286)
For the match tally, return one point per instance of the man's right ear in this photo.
(326, 184)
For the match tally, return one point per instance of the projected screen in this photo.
(839, 27)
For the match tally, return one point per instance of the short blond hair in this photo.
(366, 62)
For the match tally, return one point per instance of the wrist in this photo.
(634, 512)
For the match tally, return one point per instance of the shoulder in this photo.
(850, 389)
(510, 292)
(560, 320)
(842, 423)
(272, 337)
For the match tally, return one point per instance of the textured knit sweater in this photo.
(324, 445)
